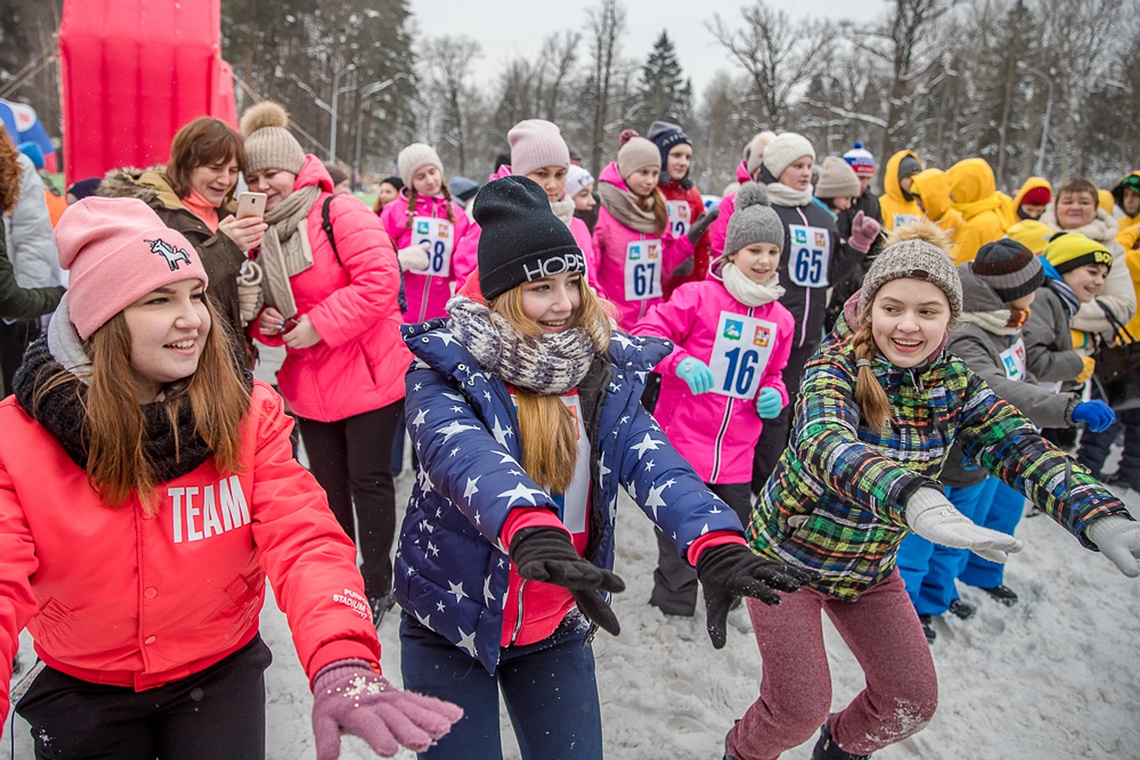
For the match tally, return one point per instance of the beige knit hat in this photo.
(268, 143)
(635, 153)
(754, 150)
(784, 150)
(837, 179)
(413, 158)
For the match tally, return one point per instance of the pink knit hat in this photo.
(118, 250)
(536, 143)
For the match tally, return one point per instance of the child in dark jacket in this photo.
(524, 408)
(881, 407)
(731, 341)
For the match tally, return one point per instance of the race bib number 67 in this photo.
(643, 270)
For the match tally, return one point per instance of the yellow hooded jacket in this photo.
(1118, 197)
(897, 210)
(1012, 217)
(933, 190)
(972, 191)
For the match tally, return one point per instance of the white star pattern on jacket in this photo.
(471, 488)
(521, 493)
(654, 500)
(647, 444)
(501, 433)
(467, 642)
(457, 590)
(454, 428)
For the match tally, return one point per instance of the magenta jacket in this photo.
(359, 364)
(427, 295)
(715, 433)
(620, 278)
(719, 227)
(467, 257)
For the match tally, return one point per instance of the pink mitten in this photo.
(864, 230)
(350, 698)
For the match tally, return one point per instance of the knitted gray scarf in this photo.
(544, 364)
(285, 250)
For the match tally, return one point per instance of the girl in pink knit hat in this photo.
(149, 491)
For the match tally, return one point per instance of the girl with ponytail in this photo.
(877, 413)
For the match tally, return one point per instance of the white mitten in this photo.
(931, 515)
(250, 297)
(1118, 538)
(414, 257)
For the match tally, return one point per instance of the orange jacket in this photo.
(113, 596)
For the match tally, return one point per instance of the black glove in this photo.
(547, 555)
(729, 571)
(698, 228)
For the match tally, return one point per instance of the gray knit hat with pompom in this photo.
(753, 220)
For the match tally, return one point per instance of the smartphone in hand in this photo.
(251, 204)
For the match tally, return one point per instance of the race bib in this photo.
(1013, 361)
(740, 354)
(903, 220)
(643, 269)
(680, 217)
(439, 234)
(810, 252)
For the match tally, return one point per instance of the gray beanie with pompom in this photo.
(753, 220)
(268, 143)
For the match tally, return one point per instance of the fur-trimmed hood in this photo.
(148, 185)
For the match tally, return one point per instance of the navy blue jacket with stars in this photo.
(452, 573)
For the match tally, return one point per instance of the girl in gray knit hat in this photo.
(724, 377)
(878, 411)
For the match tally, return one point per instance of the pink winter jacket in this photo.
(466, 259)
(427, 295)
(359, 364)
(611, 243)
(716, 434)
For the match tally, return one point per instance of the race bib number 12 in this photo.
(680, 217)
(740, 354)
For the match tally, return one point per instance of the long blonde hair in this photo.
(547, 431)
(113, 422)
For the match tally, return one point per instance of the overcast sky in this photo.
(509, 28)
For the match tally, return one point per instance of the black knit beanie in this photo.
(521, 238)
(1009, 268)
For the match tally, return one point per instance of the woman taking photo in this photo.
(193, 194)
(331, 281)
(146, 492)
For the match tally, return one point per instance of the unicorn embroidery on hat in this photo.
(172, 255)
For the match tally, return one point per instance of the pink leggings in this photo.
(882, 631)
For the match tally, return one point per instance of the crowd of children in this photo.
(826, 401)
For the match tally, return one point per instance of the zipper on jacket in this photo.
(519, 620)
(424, 302)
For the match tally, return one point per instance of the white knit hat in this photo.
(784, 150)
(416, 155)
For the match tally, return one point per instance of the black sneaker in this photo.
(380, 605)
(1002, 594)
(962, 610)
(826, 748)
(928, 628)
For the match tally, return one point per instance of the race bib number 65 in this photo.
(810, 251)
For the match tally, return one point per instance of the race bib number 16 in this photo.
(740, 354)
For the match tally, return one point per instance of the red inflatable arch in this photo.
(133, 72)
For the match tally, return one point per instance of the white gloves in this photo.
(1118, 538)
(931, 515)
(414, 257)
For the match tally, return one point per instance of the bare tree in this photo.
(778, 54)
(606, 27)
(447, 61)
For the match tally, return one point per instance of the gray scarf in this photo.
(623, 205)
(545, 364)
(285, 249)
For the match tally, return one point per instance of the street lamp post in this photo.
(1039, 168)
(366, 92)
(335, 96)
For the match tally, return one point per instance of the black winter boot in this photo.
(928, 628)
(962, 610)
(827, 749)
(1003, 594)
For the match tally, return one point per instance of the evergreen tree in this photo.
(664, 93)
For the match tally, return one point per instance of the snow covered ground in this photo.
(1055, 677)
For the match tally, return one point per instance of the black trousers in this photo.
(217, 713)
(14, 339)
(774, 436)
(675, 580)
(352, 459)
